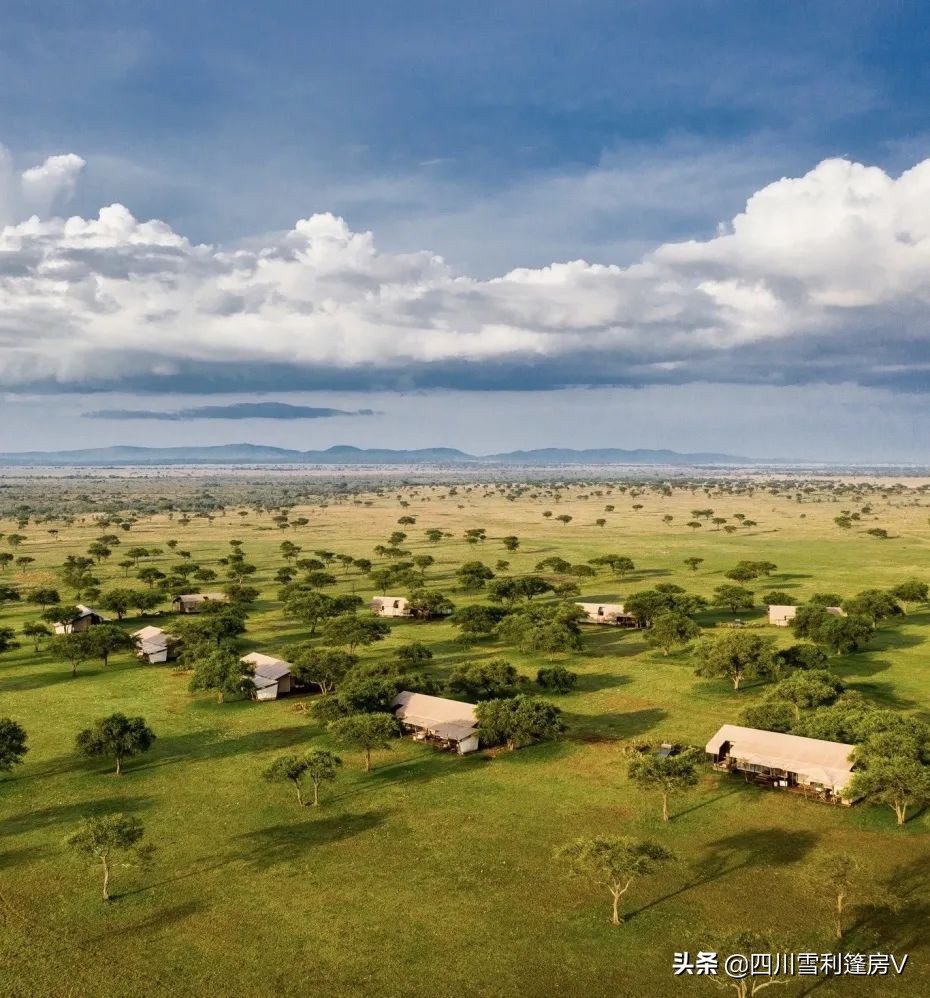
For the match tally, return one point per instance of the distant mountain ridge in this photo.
(264, 454)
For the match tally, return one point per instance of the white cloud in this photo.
(831, 269)
(39, 189)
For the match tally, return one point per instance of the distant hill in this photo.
(262, 454)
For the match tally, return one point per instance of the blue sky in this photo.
(498, 137)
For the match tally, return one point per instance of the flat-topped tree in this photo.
(350, 631)
(116, 737)
(221, 672)
(736, 656)
(671, 630)
(75, 649)
(36, 631)
(616, 862)
(324, 668)
(103, 838)
(366, 732)
(665, 774)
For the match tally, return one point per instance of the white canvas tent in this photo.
(607, 613)
(450, 721)
(391, 606)
(84, 619)
(781, 615)
(272, 675)
(154, 645)
(785, 760)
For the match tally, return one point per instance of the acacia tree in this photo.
(7, 639)
(808, 688)
(106, 639)
(223, 673)
(37, 631)
(665, 774)
(288, 768)
(12, 744)
(735, 655)
(837, 877)
(616, 862)
(322, 767)
(324, 668)
(75, 648)
(897, 782)
(671, 630)
(103, 838)
(116, 737)
(735, 598)
(350, 631)
(518, 721)
(366, 732)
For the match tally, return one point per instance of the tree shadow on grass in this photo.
(628, 724)
(207, 745)
(68, 814)
(900, 923)
(591, 682)
(601, 639)
(705, 802)
(431, 765)
(164, 918)
(765, 847)
(13, 857)
(40, 680)
(850, 666)
(885, 694)
(888, 639)
(278, 844)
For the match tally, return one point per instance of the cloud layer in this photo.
(824, 277)
(235, 410)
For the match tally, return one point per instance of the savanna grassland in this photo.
(434, 874)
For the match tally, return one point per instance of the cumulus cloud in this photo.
(235, 410)
(37, 190)
(821, 277)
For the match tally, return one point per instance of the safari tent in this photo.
(450, 723)
(818, 768)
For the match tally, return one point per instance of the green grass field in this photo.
(434, 875)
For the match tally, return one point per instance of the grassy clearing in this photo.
(434, 874)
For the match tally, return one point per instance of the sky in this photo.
(691, 225)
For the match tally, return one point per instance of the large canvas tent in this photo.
(782, 760)
(450, 722)
(272, 675)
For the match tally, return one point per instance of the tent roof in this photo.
(263, 682)
(266, 666)
(145, 633)
(820, 761)
(86, 611)
(447, 718)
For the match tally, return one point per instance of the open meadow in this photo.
(435, 874)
